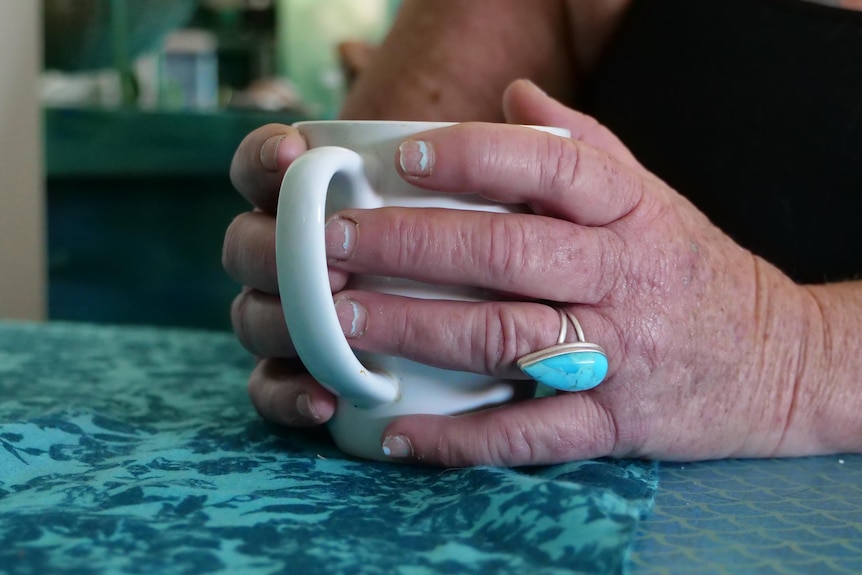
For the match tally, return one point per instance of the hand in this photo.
(280, 389)
(687, 317)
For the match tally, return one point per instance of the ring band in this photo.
(572, 366)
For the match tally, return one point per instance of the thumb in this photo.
(526, 103)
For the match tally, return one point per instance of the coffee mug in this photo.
(351, 164)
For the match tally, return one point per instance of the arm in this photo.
(452, 60)
(828, 399)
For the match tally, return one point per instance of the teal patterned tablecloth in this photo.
(135, 450)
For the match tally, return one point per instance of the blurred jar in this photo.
(189, 71)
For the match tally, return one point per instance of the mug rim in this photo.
(429, 125)
(374, 122)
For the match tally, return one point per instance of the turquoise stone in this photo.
(572, 371)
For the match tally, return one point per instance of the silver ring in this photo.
(567, 366)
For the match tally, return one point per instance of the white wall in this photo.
(22, 195)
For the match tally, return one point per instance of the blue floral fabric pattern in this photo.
(135, 450)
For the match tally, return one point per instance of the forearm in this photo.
(797, 348)
(832, 385)
(452, 60)
(810, 343)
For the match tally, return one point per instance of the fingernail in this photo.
(305, 408)
(352, 316)
(269, 153)
(416, 157)
(340, 238)
(397, 446)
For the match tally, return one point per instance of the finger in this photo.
(260, 160)
(258, 322)
(248, 254)
(486, 337)
(516, 165)
(543, 431)
(525, 103)
(533, 256)
(283, 393)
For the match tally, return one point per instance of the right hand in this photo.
(281, 390)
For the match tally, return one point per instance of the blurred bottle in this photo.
(190, 71)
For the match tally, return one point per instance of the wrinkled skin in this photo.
(711, 349)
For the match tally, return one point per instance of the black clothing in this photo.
(753, 110)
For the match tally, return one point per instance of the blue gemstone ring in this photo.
(567, 366)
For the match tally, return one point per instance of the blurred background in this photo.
(120, 118)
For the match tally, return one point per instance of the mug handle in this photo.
(303, 279)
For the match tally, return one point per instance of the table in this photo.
(135, 449)
(748, 516)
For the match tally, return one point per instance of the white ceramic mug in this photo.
(352, 164)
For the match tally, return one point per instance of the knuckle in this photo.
(407, 235)
(507, 252)
(267, 398)
(626, 189)
(258, 324)
(264, 258)
(404, 330)
(238, 318)
(231, 244)
(639, 192)
(501, 339)
(602, 430)
(237, 165)
(409, 245)
(248, 251)
(560, 176)
(246, 157)
(257, 388)
(609, 265)
(509, 443)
